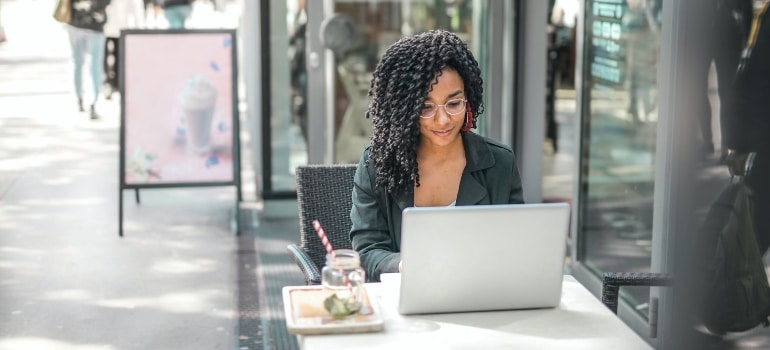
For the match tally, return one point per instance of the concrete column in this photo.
(251, 73)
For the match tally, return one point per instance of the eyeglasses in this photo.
(452, 107)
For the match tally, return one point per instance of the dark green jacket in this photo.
(490, 177)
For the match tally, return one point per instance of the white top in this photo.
(580, 322)
(454, 202)
(568, 15)
(123, 14)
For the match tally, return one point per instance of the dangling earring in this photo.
(468, 118)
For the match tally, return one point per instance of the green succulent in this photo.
(341, 307)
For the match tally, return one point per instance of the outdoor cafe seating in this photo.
(581, 321)
(323, 194)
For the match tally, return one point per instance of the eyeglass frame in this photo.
(436, 106)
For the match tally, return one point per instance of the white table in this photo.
(579, 322)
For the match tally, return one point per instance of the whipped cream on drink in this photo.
(198, 100)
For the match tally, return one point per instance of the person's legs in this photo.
(704, 120)
(2, 32)
(759, 180)
(110, 66)
(172, 18)
(728, 45)
(177, 15)
(702, 107)
(78, 45)
(96, 42)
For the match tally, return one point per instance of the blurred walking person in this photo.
(86, 34)
(2, 31)
(121, 14)
(176, 12)
(730, 30)
(751, 120)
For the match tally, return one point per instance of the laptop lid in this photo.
(483, 257)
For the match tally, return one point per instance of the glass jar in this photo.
(343, 283)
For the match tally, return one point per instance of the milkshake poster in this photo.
(178, 115)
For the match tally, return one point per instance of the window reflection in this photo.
(380, 24)
(620, 99)
(297, 26)
(288, 91)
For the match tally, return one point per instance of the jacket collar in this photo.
(478, 157)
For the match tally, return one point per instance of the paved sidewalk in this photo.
(67, 281)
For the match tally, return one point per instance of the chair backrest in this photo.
(324, 193)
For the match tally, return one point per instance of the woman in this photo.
(426, 95)
(86, 34)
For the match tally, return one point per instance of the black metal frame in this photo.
(236, 150)
(267, 156)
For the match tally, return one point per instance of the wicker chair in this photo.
(612, 281)
(324, 193)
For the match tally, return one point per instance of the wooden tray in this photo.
(305, 314)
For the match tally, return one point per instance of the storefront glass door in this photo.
(618, 138)
(353, 36)
(321, 57)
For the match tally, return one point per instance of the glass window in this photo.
(620, 118)
(288, 92)
(561, 115)
(377, 24)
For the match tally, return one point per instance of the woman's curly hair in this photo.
(400, 85)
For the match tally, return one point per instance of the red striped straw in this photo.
(324, 240)
(322, 235)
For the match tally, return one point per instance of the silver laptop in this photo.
(482, 258)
